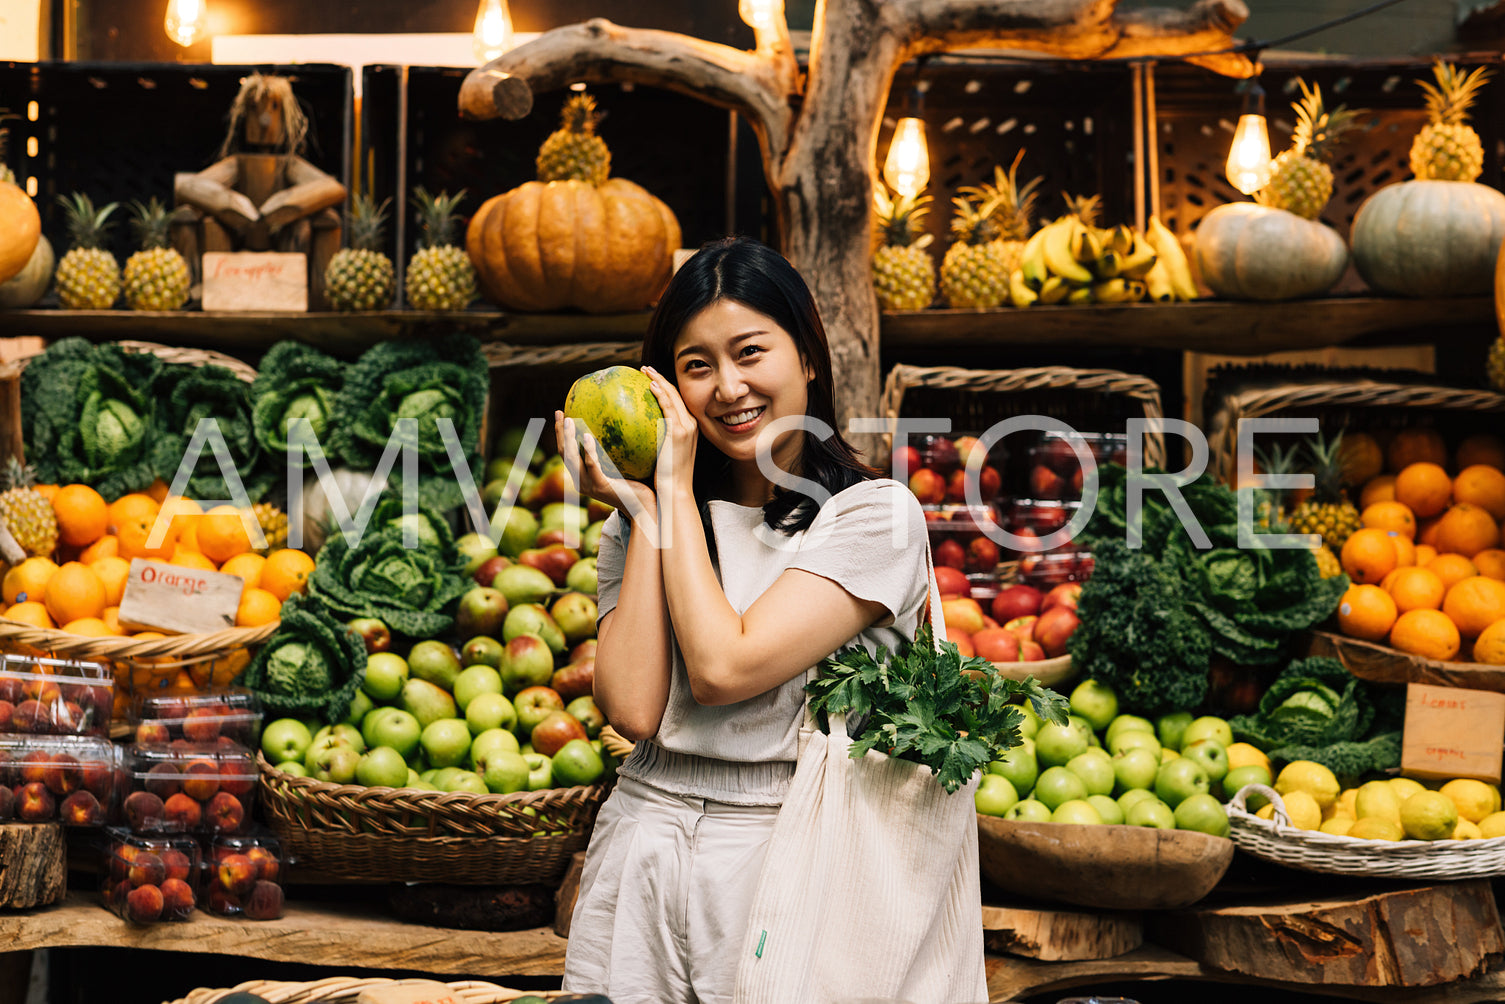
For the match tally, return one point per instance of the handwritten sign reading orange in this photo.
(255, 280)
(179, 600)
(1452, 732)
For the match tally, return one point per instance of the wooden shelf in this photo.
(1227, 327)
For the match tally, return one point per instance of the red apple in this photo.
(928, 486)
(962, 641)
(964, 613)
(996, 645)
(1030, 651)
(906, 460)
(989, 623)
(1024, 626)
(1016, 601)
(1054, 628)
(1064, 595)
(950, 553)
(952, 582)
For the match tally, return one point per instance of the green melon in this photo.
(617, 406)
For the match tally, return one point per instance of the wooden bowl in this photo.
(1107, 867)
(1048, 672)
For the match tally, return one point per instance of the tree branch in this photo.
(755, 84)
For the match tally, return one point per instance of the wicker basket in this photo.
(338, 989)
(1310, 850)
(409, 835)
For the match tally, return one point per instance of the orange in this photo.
(107, 546)
(1405, 551)
(184, 512)
(247, 566)
(286, 572)
(135, 533)
(222, 534)
(1360, 458)
(1466, 529)
(188, 534)
(1425, 553)
(134, 504)
(1491, 562)
(1389, 579)
(1426, 531)
(1475, 603)
(112, 573)
(1380, 489)
(257, 607)
(1489, 647)
(111, 618)
(28, 580)
(191, 559)
(31, 612)
(1366, 612)
(1480, 448)
(158, 490)
(82, 516)
(73, 592)
(1390, 516)
(48, 492)
(1412, 446)
(1368, 555)
(92, 626)
(1427, 633)
(1452, 568)
(1424, 488)
(1484, 486)
(1416, 589)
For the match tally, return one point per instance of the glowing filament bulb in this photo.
(907, 169)
(186, 20)
(493, 32)
(1249, 157)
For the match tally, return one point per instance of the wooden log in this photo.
(33, 865)
(569, 891)
(1410, 937)
(1059, 935)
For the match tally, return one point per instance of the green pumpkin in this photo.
(1430, 238)
(1251, 252)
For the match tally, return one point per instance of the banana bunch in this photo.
(1068, 261)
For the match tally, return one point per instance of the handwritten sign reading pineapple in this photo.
(255, 280)
(1452, 732)
(177, 599)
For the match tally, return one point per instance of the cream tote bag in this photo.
(870, 887)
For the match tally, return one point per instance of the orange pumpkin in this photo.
(603, 249)
(20, 228)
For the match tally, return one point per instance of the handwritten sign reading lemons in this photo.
(179, 600)
(1452, 732)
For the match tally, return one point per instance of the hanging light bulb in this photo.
(493, 32)
(760, 13)
(907, 169)
(186, 20)
(1248, 166)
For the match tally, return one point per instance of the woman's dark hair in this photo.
(751, 273)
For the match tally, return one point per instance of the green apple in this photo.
(1132, 723)
(489, 742)
(1096, 702)
(1171, 727)
(1133, 797)
(1019, 766)
(1057, 785)
(1029, 810)
(427, 702)
(474, 681)
(515, 529)
(335, 764)
(386, 672)
(360, 705)
(504, 772)
(340, 734)
(393, 727)
(1153, 813)
(1095, 768)
(293, 767)
(445, 742)
(285, 739)
(576, 763)
(434, 661)
(1179, 780)
(439, 777)
(995, 795)
(1167, 754)
(1207, 727)
(1107, 809)
(467, 781)
(1083, 726)
(490, 711)
(482, 650)
(1252, 773)
(413, 778)
(381, 767)
(1211, 755)
(1202, 813)
(583, 709)
(1078, 811)
(1135, 769)
(540, 771)
(1056, 744)
(1032, 721)
(1129, 739)
(427, 776)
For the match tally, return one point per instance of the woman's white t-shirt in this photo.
(869, 539)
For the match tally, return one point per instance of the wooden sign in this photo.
(408, 992)
(1452, 732)
(255, 280)
(179, 600)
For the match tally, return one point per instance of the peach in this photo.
(178, 864)
(964, 613)
(177, 899)
(152, 734)
(264, 902)
(143, 811)
(224, 813)
(236, 874)
(201, 779)
(34, 803)
(163, 780)
(182, 812)
(81, 809)
(266, 863)
(144, 904)
(147, 869)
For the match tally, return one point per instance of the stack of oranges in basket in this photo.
(1428, 568)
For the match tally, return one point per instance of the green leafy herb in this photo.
(932, 706)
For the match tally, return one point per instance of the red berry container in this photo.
(198, 716)
(65, 779)
(1039, 518)
(58, 697)
(184, 787)
(1055, 468)
(962, 537)
(243, 876)
(148, 880)
(1044, 571)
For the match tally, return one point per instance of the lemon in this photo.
(1303, 809)
(1245, 755)
(1492, 825)
(1376, 828)
(1338, 826)
(1309, 777)
(1405, 787)
(1346, 801)
(1474, 799)
(1466, 830)
(1377, 798)
(1428, 815)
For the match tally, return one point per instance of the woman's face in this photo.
(738, 372)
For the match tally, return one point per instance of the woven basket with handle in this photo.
(345, 989)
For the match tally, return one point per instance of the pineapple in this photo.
(1270, 503)
(1496, 364)
(1328, 511)
(273, 525)
(156, 277)
(1083, 207)
(1328, 564)
(1300, 179)
(1447, 149)
(440, 276)
(903, 272)
(975, 271)
(88, 277)
(361, 277)
(574, 151)
(1013, 205)
(26, 512)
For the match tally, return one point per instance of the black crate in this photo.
(120, 131)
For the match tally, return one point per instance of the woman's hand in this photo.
(634, 499)
(676, 458)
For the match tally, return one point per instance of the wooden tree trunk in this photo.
(33, 865)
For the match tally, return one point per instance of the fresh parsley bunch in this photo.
(929, 705)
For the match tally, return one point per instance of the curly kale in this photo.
(294, 381)
(413, 590)
(185, 396)
(311, 665)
